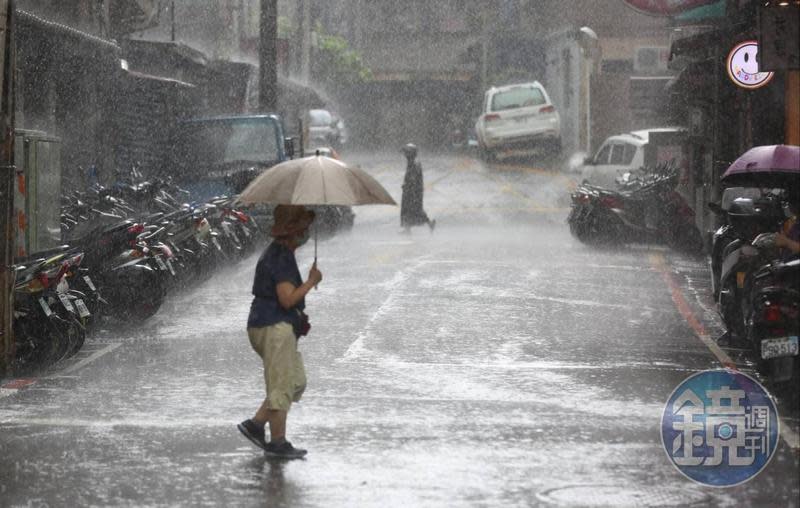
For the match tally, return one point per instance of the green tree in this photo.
(335, 63)
(285, 28)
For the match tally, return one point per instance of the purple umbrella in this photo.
(774, 165)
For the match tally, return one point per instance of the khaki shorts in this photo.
(284, 372)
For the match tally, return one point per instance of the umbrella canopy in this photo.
(315, 180)
(773, 165)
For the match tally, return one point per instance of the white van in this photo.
(619, 155)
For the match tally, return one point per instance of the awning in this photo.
(27, 22)
(693, 48)
(665, 7)
(703, 14)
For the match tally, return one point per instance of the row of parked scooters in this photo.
(126, 247)
(756, 283)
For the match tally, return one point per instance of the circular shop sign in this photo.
(743, 66)
(720, 428)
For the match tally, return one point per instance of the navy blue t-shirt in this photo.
(277, 264)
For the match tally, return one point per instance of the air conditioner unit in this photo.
(649, 60)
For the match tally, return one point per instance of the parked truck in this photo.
(221, 155)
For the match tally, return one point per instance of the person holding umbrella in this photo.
(276, 315)
(412, 212)
(275, 323)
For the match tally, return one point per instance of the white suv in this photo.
(518, 117)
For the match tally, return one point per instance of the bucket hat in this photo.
(291, 219)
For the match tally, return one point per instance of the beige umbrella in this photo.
(315, 180)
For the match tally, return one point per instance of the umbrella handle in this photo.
(316, 286)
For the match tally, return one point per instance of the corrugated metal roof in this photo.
(34, 21)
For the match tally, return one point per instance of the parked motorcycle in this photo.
(742, 214)
(735, 254)
(237, 225)
(772, 322)
(49, 318)
(646, 209)
(130, 288)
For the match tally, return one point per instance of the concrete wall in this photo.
(591, 85)
(564, 74)
(65, 84)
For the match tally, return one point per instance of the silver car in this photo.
(325, 129)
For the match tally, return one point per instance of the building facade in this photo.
(432, 61)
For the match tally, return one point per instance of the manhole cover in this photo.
(614, 495)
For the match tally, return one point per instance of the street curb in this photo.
(87, 356)
(659, 263)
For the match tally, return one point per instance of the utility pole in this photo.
(484, 48)
(172, 21)
(6, 185)
(268, 57)
(792, 106)
(305, 41)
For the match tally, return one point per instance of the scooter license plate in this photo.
(66, 302)
(46, 308)
(776, 348)
(83, 311)
(160, 263)
(89, 283)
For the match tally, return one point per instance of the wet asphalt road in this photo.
(496, 362)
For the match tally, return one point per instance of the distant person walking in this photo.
(275, 324)
(412, 212)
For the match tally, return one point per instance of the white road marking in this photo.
(86, 361)
(6, 392)
(357, 349)
(789, 435)
(389, 242)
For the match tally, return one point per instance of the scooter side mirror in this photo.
(765, 241)
(589, 161)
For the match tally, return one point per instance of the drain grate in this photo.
(614, 495)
